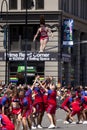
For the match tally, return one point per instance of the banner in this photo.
(68, 32)
(32, 56)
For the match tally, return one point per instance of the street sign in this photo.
(30, 69)
(32, 56)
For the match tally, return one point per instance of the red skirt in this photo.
(51, 109)
(16, 111)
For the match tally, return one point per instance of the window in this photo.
(82, 9)
(29, 3)
(75, 7)
(12, 4)
(18, 36)
(67, 5)
(39, 4)
(13, 66)
(14, 33)
(62, 4)
(14, 38)
(72, 5)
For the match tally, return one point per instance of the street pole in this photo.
(26, 43)
(28, 6)
(61, 48)
(5, 40)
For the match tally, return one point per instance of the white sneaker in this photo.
(39, 126)
(73, 123)
(51, 126)
(41, 51)
(80, 122)
(33, 127)
(84, 122)
(66, 122)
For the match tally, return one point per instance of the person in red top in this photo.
(84, 108)
(76, 109)
(51, 104)
(26, 110)
(5, 123)
(15, 108)
(51, 101)
(5, 102)
(38, 104)
(43, 30)
(28, 94)
(66, 106)
(45, 100)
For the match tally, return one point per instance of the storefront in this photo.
(43, 64)
(34, 59)
(46, 63)
(17, 69)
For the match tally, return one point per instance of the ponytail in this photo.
(42, 20)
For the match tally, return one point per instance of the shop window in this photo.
(18, 38)
(13, 70)
(39, 4)
(12, 4)
(14, 33)
(14, 37)
(30, 4)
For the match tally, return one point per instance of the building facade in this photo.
(50, 62)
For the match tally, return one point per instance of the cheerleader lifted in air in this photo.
(44, 37)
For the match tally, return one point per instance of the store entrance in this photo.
(30, 74)
(30, 80)
(17, 70)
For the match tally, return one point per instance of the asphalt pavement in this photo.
(60, 116)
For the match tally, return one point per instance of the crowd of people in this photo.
(25, 105)
(74, 102)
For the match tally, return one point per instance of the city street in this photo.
(60, 115)
(43, 64)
